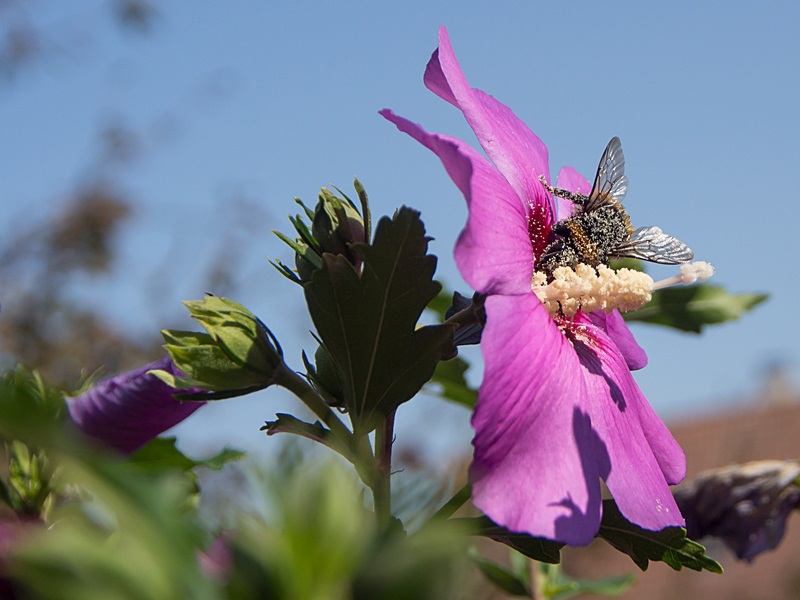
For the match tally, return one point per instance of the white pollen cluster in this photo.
(589, 290)
(690, 273)
(697, 271)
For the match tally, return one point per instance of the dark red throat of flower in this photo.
(539, 226)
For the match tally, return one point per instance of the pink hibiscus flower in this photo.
(558, 409)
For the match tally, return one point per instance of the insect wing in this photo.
(652, 244)
(610, 183)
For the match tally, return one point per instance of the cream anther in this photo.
(589, 290)
(690, 273)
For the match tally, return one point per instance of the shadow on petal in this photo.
(591, 362)
(595, 462)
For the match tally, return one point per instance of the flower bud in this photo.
(336, 225)
(237, 355)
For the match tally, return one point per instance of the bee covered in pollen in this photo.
(600, 228)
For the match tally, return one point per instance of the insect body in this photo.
(600, 228)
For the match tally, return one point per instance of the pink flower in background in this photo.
(128, 410)
(558, 408)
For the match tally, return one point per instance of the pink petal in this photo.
(518, 152)
(494, 252)
(644, 456)
(551, 421)
(130, 409)
(572, 181)
(617, 329)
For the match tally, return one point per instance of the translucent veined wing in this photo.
(610, 183)
(652, 244)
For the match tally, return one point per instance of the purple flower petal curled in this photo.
(128, 410)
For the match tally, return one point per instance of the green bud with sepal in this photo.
(237, 355)
(336, 224)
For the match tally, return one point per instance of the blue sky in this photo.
(267, 101)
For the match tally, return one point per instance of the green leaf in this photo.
(367, 320)
(286, 423)
(302, 250)
(286, 271)
(162, 454)
(669, 545)
(541, 549)
(501, 576)
(558, 586)
(451, 383)
(690, 308)
(29, 478)
(30, 410)
(366, 215)
(128, 535)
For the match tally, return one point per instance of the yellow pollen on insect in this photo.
(588, 289)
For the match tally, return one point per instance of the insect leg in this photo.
(579, 199)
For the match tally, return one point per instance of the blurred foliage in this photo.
(558, 586)
(317, 542)
(128, 537)
(691, 308)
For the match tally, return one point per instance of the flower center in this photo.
(588, 289)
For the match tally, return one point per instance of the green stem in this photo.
(540, 574)
(290, 380)
(457, 501)
(360, 452)
(382, 490)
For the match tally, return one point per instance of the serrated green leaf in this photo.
(367, 320)
(451, 383)
(541, 549)
(669, 545)
(690, 308)
(502, 577)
